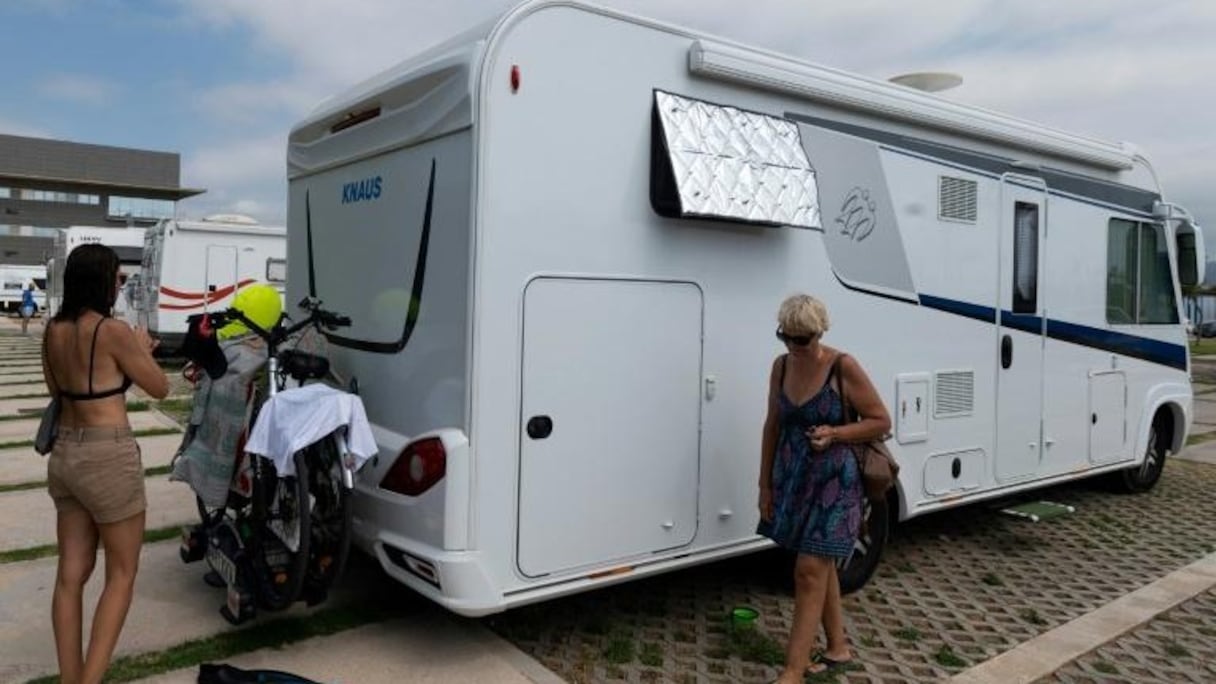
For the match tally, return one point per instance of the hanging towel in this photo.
(297, 417)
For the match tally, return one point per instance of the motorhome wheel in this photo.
(875, 530)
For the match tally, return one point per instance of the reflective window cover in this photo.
(711, 161)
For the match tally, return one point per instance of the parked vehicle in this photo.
(13, 281)
(128, 243)
(194, 266)
(562, 238)
(283, 533)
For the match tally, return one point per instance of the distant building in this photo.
(51, 184)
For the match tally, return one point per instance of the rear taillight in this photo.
(420, 465)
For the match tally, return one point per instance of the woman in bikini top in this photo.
(95, 473)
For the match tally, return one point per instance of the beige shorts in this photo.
(97, 470)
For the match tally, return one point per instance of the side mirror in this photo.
(1192, 262)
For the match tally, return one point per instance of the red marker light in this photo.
(514, 78)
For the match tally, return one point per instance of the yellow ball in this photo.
(260, 303)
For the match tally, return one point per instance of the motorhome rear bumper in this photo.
(455, 580)
(459, 582)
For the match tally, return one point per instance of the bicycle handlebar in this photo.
(276, 335)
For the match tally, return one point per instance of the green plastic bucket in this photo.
(743, 618)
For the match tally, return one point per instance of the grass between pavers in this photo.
(46, 550)
(31, 395)
(23, 486)
(26, 414)
(271, 634)
(1204, 346)
(149, 432)
(177, 409)
(1200, 438)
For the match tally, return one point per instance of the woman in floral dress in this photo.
(810, 485)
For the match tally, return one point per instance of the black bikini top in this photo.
(90, 395)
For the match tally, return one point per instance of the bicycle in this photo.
(279, 537)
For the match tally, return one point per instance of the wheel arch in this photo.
(1170, 406)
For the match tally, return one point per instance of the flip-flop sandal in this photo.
(827, 663)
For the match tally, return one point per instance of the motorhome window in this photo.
(1157, 303)
(276, 270)
(710, 161)
(1025, 257)
(1139, 283)
(5, 193)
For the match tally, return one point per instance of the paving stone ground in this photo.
(954, 589)
(1178, 646)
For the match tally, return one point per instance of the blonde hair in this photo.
(803, 313)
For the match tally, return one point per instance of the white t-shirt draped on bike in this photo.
(297, 417)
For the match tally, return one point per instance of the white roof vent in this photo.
(231, 218)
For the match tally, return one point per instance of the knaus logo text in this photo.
(364, 190)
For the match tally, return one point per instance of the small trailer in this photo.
(563, 237)
(195, 266)
(127, 243)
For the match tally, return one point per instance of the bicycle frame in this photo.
(205, 540)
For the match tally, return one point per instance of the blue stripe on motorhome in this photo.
(1154, 351)
(980, 313)
(1023, 322)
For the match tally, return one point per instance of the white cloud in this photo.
(78, 88)
(1108, 69)
(241, 176)
(244, 103)
(11, 127)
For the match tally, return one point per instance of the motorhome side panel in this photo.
(384, 239)
(564, 179)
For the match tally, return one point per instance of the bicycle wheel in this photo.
(285, 534)
(331, 514)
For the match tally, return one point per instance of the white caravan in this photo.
(127, 243)
(563, 237)
(195, 266)
(13, 281)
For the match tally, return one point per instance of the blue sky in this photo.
(222, 81)
(121, 73)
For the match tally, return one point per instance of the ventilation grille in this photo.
(956, 199)
(955, 394)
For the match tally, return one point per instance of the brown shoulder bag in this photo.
(877, 465)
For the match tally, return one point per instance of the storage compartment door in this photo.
(610, 425)
(1108, 417)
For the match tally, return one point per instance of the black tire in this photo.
(331, 514)
(282, 504)
(1143, 477)
(867, 552)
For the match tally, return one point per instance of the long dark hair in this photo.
(90, 282)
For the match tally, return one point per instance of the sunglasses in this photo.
(796, 340)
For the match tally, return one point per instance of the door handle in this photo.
(1006, 351)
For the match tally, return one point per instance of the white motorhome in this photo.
(127, 243)
(194, 266)
(13, 281)
(563, 236)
